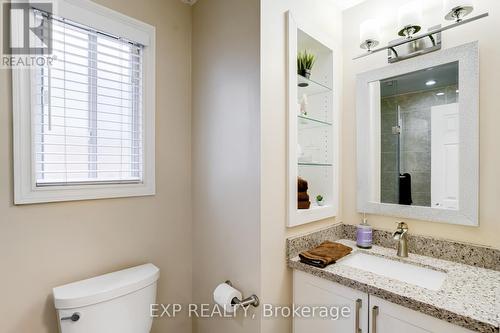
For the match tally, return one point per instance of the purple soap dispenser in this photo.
(364, 234)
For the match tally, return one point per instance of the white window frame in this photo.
(104, 19)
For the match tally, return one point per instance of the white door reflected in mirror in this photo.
(444, 157)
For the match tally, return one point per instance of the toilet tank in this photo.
(117, 302)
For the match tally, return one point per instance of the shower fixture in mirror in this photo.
(417, 137)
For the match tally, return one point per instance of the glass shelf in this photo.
(314, 206)
(306, 122)
(314, 164)
(310, 87)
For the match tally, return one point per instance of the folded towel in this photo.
(325, 254)
(303, 204)
(302, 185)
(302, 196)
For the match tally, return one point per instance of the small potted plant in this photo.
(320, 200)
(305, 62)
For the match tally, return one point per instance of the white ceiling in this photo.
(345, 4)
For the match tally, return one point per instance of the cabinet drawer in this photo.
(386, 317)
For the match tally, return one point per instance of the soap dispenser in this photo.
(364, 234)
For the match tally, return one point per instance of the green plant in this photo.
(305, 61)
(319, 198)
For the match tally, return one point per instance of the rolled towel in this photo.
(302, 185)
(303, 204)
(325, 254)
(302, 196)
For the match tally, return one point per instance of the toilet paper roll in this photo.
(224, 294)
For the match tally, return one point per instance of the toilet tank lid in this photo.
(105, 287)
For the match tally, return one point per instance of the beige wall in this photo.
(322, 18)
(46, 245)
(226, 155)
(485, 31)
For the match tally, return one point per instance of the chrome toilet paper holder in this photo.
(251, 300)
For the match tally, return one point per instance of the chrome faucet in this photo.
(401, 234)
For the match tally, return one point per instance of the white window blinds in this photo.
(87, 115)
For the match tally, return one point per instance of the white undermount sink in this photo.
(408, 273)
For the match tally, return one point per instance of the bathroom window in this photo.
(90, 133)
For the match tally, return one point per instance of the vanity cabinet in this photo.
(311, 291)
(368, 314)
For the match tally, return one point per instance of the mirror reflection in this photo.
(419, 138)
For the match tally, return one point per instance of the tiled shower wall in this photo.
(415, 151)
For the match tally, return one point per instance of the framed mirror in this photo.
(418, 137)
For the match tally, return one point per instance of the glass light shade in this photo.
(369, 30)
(456, 9)
(410, 14)
(449, 5)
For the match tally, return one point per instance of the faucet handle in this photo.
(402, 225)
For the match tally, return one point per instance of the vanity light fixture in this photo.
(414, 43)
(369, 34)
(456, 10)
(430, 83)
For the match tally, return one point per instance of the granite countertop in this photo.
(469, 296)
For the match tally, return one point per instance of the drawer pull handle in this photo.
(374, 319)
(359, 304)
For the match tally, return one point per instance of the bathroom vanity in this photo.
(389, 294)
(371, 313)
(418, 158)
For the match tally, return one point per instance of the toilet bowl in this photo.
(117, 302)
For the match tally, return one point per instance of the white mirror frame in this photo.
(467, 56)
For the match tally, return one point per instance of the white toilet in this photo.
(117, 302)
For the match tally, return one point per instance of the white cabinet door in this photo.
(311, 291)
(386, 317)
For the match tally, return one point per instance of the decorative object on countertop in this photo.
(364, 234)
(302, 196)
(325, 254)
(305, 62)
(320, 200)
